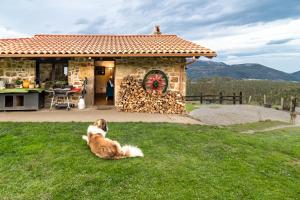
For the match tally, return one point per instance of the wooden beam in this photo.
(37, 71)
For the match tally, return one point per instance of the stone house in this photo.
(100, 57)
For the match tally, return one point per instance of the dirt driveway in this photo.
(238, 114)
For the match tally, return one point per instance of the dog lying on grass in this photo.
(106, 148)
(99, 127)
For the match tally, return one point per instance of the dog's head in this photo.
(101, 123)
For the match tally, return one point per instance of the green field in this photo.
(51, 161)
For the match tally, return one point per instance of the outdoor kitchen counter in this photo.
(21, 99)
(21, 90)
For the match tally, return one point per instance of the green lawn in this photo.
(258, 126)
(51, 161)
(191, 106)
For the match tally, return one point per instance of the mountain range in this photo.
(204, 69)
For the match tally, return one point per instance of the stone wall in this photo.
(12, 69)
(78, 69)
(138, 67)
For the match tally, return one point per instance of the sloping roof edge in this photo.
(102, 46)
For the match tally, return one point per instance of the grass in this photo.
(189, 107)
(258, 126)
(50, 161)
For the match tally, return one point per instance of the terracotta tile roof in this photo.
(101, 45)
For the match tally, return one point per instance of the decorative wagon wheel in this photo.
(155, 80)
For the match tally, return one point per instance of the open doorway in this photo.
(104, 82)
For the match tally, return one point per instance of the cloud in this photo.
(189, 18)
(81, 21)
(238, 30)
(250, 36)
(256, 43)
(6, 32)
(183, 17)
(283, 41)
(94, 27)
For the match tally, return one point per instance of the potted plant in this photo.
(19, 83)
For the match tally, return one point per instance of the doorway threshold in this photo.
(105, 107)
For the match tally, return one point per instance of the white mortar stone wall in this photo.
(12, 69)
(138, 68)
(78, 69)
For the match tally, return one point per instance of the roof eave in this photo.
(208, 55)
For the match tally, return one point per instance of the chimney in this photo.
(156, 30)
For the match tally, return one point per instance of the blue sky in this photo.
(241, 31)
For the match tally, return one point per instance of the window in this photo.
(99, 70)
(59, 72)
(53, 72)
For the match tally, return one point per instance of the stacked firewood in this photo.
(134, 98)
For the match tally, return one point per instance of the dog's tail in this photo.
(132, 151)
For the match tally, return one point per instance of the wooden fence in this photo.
(220, 98)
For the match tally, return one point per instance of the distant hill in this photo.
(296, 75)
(204, 69)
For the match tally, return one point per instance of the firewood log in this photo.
(133, 98)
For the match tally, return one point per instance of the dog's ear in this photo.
(98, 123)
(103, 125)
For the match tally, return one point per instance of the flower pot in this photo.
(26, 84)
(31, 86)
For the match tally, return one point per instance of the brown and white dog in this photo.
(106, 148)
(99, 127)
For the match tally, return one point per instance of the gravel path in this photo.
(238, 114)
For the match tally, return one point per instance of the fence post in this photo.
(233, 98)
(265, 99)
(221, 98)
(293, 104)
(249, 100)
(241, 98)
(282, 103)
(201, 98)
